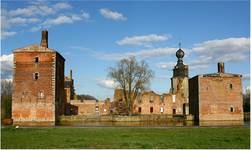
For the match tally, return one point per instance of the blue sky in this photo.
(93, 36)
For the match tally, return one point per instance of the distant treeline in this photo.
(6, 99)
(246, 101)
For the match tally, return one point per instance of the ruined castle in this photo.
(42, 93)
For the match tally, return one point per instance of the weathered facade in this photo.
(91, 107)
(216, 96)
(149, 102)
(38, 84)
(173, 103)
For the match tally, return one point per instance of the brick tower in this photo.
(38, 85)
(179, 84)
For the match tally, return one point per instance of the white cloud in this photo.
(21, 21)
(155, 52)
(40, 8)
(37, 15)
(106, 83)
(213, 51)
(166, 65)
(5, 34)
(28, 11)
(6, 66)
(112, 14)
(141, 40)
(230, 49)
(62, 5)
(63, 19)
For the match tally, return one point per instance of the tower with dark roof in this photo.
(179, 83)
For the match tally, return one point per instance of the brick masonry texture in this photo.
(37, 101)
(216, 97)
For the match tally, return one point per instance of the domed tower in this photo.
(179, 81)
(180, 70)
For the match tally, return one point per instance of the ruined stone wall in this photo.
(173, 104)
(33, 100)
(145, 102)
(161, 104)
(91, 107)
(104, 107)
(85, 107)
(220, 98)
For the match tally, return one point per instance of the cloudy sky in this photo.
(93, 36)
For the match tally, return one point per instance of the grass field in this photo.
(125, 138)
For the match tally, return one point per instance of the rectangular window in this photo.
(231, 109)
(35, 75)
(173, 98)
(36, 60)
(139, 110)
(151, 109)
(40, 94)
(231, 86)
(174, 111)
(161, 109)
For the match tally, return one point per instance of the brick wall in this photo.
(38, 86)
(220, 98)
(29, 104)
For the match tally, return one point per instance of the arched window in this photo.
(231, 109)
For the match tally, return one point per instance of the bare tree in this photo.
(132, 77)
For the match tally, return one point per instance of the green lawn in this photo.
(125, 138)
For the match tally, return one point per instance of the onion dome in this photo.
(180, 54)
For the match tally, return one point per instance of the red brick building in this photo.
(38, 84)
(216, 96)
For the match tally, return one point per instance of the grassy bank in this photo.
(125, 138)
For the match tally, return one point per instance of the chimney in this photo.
(44, 39)
(221, 68)
(70, 74)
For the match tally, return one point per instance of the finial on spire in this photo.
(179, 45)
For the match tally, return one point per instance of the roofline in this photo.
(52, 51)
(218, 75)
